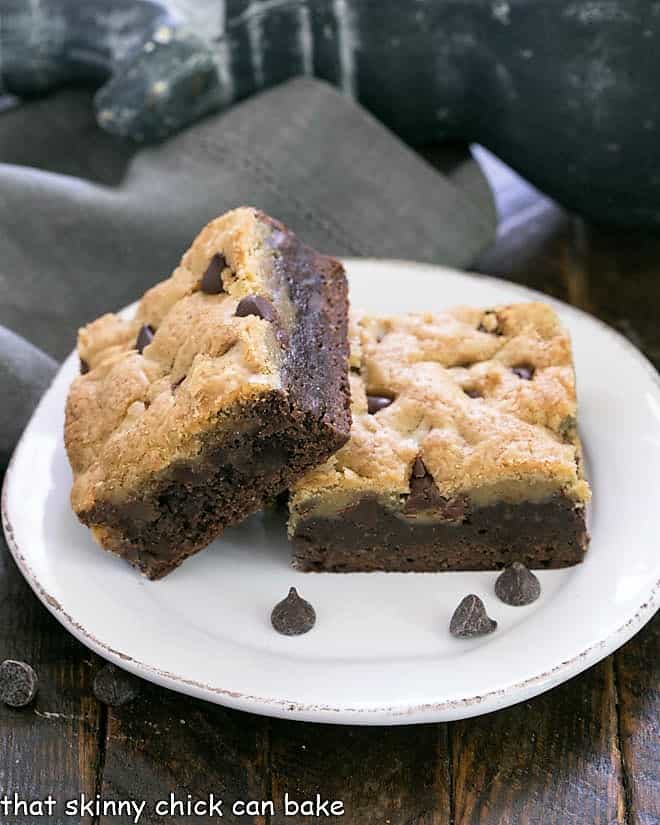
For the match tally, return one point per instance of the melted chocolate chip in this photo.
(145, 337)
(470, 619)
(293, 615)
(472, 393)
(516, 585)
(115, 687)
(211, 280)
(567, 428)
(418, 468)
(524, 371)
(377, 402)
(84, 367)
(255, 305)
(424, 495)
(18, 683)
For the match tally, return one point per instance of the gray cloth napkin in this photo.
(88, 223)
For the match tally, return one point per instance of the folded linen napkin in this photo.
(87, 223)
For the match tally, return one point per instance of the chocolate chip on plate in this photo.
(255, 305)
(18, 683)
(84, 367)
(517, 585)
(115, 687)
(293, 615)
(145, 337)
(211, 280)
(470, 619)
(524, 371)
(377, 402)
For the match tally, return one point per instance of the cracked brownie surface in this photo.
(464, 451)
(214, 397)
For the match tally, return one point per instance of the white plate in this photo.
(381, 652)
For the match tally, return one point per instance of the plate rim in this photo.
(397, 714)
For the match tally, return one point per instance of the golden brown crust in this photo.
(482, 429)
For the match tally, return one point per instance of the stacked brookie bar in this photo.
(231, 386)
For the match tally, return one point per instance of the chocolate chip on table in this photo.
(115, 687)
(18, 683)
(145, 337)
(255, 305)
(211, 280)
(518, 586)
(470, 619)
(293, 615)
(84, 367)
(377, 402)
(524, 371)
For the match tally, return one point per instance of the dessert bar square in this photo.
(229, 383)
(464, 453)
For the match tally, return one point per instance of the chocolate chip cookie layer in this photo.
(463, 454)
(229, 383)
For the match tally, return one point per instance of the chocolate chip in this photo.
(145, 337)
(18, 683)
(418, 468)
(517, 585)
(255, 305)
(115, 687)
(178, 382)
(424, 495)
(293, 615)
(84, 367)
(211, 280)
(470, 619)
(377, 402)
(472, 393)
(524, 371)
(568, 428)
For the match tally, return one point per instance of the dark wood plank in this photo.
(551, 761)
(623, 269)
(397, 775)
(164, 742)
(637, 668)
(53, 745)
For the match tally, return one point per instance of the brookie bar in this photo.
(464, 453)
(229, 383)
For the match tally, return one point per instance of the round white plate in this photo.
(381, 652)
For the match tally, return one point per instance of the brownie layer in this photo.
(369, 536)
(191, 504)
(315, 365)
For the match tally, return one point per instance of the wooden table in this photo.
(586, 753)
